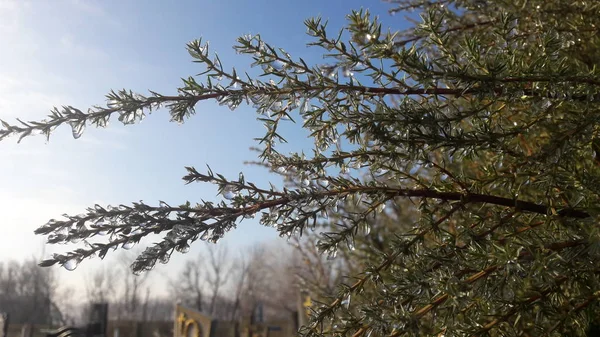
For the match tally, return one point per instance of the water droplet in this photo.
(348, 72)
(546, 103)
(380, 207)
(366, 228)
(183, 248)
(346, 301)
(228, 195)
(164, 259)
(276, 107)
(71, 264)
(305, 182)
(305, 106)
(229, 192)
(77, 128)
(331, 254)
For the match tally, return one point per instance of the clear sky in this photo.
(72, 52)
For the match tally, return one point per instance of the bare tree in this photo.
(202, 280)
(29, 293)
(219, 273)
(100, 285)
(130, 305)
(314, 272)
(188, 288)
(159, 309)
(241, 266)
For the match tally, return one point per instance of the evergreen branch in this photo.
(226, 216)
(541, 295)
(586, 303)
(403, 43)
(384, 265)
(440, 299)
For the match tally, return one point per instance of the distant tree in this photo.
(128, 296)
(269, 284)
(100, 285)
(200, 283)
(131, 297)
(486, 114)
(218, 273)
(189, 286)
(30, 294)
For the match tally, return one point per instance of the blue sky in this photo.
(72, 52)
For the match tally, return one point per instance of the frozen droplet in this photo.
(546, 103)
(305, 106)
(324, 182)
(183, 248)
(71, 264)
(348, 72)
(366, 228)
(346, 301)
(380, 207)
(305, 182)
(128, 245)
(229, 192)
(164, 259)
(77, 128)
(276, 107)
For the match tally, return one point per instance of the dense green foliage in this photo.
(484, 116)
